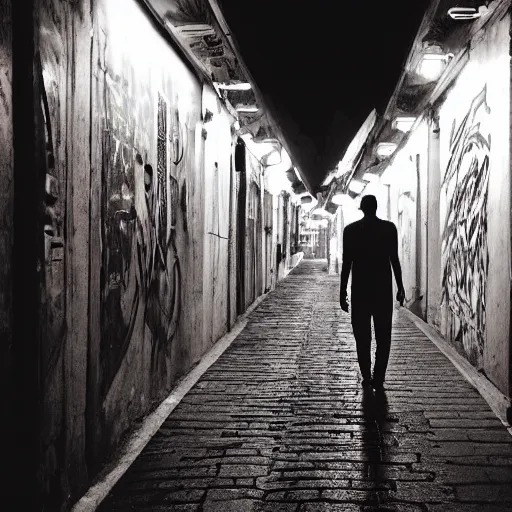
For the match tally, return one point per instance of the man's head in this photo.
(368, 205)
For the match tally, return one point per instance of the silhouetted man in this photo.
(370, 250)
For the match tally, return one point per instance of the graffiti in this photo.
(141, 268)
(162, 168)
(464, 236)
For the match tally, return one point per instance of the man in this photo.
(370, 250)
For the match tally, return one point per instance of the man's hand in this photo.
(344, 301)
(400, 295)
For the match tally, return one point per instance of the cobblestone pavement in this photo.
(279, 424)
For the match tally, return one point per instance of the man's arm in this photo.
(395, 264)
(346, 266)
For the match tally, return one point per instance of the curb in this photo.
(498, 402)
(141, 436)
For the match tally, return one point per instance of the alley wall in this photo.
(141, 273)
(450, 197)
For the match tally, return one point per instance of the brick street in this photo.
(279, 424)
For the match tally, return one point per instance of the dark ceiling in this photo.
(323, 66)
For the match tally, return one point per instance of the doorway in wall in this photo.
(268, 214)
(240, 225)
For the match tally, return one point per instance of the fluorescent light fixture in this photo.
(404, 124)
(239, 86)
(467, 13)
(341, 199)
(368, 176)
(431, 69)
(266, 141)
(385, 149)
(356, 186)
(247, 108)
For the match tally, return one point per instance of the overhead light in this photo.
(467, 13)
(431, 68)
(268, 140)
(273, 158)
(368, 176)
(236, 125)
(404, 124)
(385, 149)
(356, 186)
(321, 212)
(239, 86)
(433, 61)
(247, 108)
(341, 199)
(328, 179)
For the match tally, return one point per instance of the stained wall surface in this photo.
(454, 232)
(140, 271)
(125, 289)
(475, 206)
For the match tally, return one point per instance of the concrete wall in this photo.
(407, 180)
(218, 171)
(139, 274)
(65, 48)
(136, 286)
(450, 199)
(474, 126)
(7, 391)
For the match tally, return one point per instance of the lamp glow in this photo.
(356, 186)
(466, 13)
(404, 124)
(240, 86)
(385, 149)
(273, 158)
(322, 213)
(341, 199)
(247, 109)
(368, 176)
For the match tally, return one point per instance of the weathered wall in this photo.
(121, 139)
(6, 178)
(217, 183)
(254, 230)
(65, 88)
(407, 179)
(6, 219)
(475, 204)
(141, 221)
(151, 216)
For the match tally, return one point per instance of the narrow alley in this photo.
(280, 424)
(186, 187)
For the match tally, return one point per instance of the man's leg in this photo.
(382, 320)
(361, 326)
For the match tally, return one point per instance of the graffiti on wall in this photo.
(141, 267)
(464, 235)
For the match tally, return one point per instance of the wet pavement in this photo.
(280, 424)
